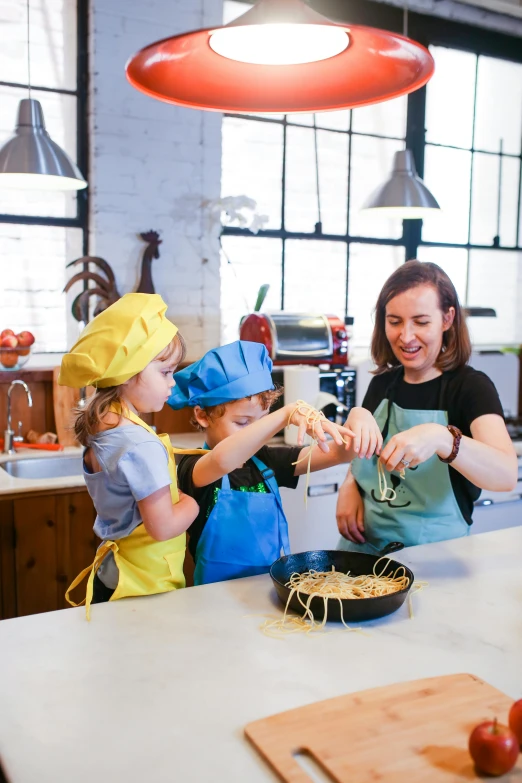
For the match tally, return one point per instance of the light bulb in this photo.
(279, 44)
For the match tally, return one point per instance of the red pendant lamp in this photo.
(280, 56)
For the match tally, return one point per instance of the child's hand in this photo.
(368, 437)
(310, 422)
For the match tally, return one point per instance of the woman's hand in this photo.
(416, 445)
(368, 437)
(309, 422)
(350, 511)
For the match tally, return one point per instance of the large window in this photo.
(41, 231)
(473, 164)
(465, 131)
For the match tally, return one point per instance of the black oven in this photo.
(341, 382)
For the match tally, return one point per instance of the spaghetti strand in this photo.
(334, 585)
(313, 416)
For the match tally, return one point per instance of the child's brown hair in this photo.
(89, 418)
(213, 412)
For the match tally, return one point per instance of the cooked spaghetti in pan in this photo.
(337, 586)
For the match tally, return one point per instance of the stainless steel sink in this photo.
(43, 468)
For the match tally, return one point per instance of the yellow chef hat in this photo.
(119, 343)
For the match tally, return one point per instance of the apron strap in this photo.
(390, 395)
(270, 480)
(392, 389)
(91, 570)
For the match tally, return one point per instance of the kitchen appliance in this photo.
(314, 526)
(299, 338)
(350, 610)
(341, 383)
(414, 731)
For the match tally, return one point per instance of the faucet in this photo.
(8, 432)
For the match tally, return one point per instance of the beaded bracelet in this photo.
(457, 437)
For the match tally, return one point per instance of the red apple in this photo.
(25, 338)
(9, 341)
(8, 358)
(515, 720)
(6, 333)
(494, 748)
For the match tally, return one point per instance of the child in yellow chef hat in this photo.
(129, 353)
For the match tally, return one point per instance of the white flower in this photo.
(239, 210)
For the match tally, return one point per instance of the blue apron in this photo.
(245, 532)
(425, 509)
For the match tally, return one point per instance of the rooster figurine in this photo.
(105, 284)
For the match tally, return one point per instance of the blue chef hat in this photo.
(225, 374)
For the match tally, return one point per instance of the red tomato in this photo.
(6, 333)
(494, 748)
(25, 338)
(515, 720)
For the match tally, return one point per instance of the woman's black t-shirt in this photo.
(468, 394)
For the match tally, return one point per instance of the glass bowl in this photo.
(14, 358)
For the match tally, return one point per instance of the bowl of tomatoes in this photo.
(15, 349)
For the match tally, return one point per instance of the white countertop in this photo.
(159, 689)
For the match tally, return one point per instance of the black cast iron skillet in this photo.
(354, 609)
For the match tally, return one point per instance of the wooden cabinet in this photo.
(45, 541)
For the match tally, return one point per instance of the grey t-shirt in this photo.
(134, 465)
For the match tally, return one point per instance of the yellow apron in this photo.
(146, 566)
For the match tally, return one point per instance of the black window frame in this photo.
(81, 93)
(429, 31)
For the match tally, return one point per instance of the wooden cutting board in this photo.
(416, 731)
(65, 400)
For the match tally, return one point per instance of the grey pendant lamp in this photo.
(404, 195)
(31, 159)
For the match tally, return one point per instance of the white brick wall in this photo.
(152, 165)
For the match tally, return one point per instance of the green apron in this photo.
(425, 509)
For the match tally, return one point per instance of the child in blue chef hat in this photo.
(241, 528)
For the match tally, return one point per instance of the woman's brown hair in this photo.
(456, 343)
(92, 415)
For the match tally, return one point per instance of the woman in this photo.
(441, 420)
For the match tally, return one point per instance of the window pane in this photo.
(370, 267)
(301, 118)
(453, 260)
(382, 119)
(493, 280)
(315, 276)
(486, 173)
(53, 43)
(252, 164)
(337, 120)
(33, 278)
(251, 262)
(447, 175)
(371, 164)
(450, 94)
(60, 120)
(484, 199)
(232, 9)
(301, 209)
(499, 105)
(508, 213)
